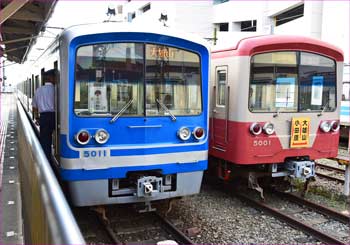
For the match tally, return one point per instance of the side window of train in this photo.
(30, 88)
(221, 85)
(36, 83)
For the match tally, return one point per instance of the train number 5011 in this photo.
(99, 153)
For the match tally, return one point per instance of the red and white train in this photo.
(275, 106)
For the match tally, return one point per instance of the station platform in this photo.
(11, 209)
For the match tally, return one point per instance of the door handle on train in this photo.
(215, 111)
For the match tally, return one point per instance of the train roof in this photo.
(112, 27)
(259, 44)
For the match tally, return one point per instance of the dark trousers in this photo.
(47, 125)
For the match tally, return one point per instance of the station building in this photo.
(221, 21)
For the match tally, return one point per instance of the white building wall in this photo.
(335, 25)
(187, 16)
(308, 25)
(237, 11)
(325, 20)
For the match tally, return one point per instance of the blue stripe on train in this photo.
(345, 113)
(160, 150)
(81, 174)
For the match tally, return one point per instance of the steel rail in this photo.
(281, 216)
(291, 221)
(319, 208)
(330, 168)
(165, 224)
(179, 235)
(109, 230)
(329, 177)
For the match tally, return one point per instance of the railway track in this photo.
(148, 228)
(329, 177)
(330, 168)
(294, 217)
(297, 223)
(316, 207)
(124, 225)
(332, 171)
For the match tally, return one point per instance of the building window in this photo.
(131, 16)
(222, 26)
(290, 15)
(219, 1)
(249, 25)
(146, 8)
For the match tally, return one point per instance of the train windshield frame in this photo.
(137, 79)
(292, 81)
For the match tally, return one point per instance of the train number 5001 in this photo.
(262, 143)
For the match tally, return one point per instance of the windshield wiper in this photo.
(115, 118)
(277, 113)
(323, 109)
(173, 118)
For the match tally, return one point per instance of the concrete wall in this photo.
(189, 16)
(335, 25)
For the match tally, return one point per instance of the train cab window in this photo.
(173, 81)
(108, 79)
(317, 83)
(115, 77)
(292, 82)
(273, 85)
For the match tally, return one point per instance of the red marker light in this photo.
(198, 133)
(255, 128)
(83, 137)
(335, 126)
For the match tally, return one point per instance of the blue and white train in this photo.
(131, 112)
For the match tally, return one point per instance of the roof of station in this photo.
(21, 22)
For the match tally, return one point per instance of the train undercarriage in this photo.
(258, 176)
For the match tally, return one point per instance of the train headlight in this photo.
(269, 128)
(101, 136)
(255, 128)
(199, 133)
(83, 137)
(325, 126)
(184, 133)
(335, 126)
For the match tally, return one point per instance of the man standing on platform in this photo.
(44, 104)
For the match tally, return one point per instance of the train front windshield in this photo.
(292, 82)
(137, 79)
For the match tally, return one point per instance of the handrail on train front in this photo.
(58, 221)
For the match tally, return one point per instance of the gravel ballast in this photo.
(224, 219)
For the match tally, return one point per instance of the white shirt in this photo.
(44, 98)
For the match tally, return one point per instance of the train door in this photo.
(220, 108)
